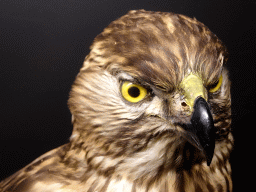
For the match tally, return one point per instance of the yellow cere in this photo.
(192, 86)
(214, 89)
(133, 92)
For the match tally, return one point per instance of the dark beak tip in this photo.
(209, 162)
(203, 127)
(209, 152)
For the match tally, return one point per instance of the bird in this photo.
(151, 112)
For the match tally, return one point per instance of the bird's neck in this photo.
(161, 165)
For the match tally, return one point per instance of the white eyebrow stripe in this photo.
(125, 76)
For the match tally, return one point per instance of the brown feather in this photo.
(118, 146)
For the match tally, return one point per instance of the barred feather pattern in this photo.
(117, 146)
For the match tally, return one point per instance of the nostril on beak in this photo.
(184, 104)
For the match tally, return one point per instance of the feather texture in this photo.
(137, 147)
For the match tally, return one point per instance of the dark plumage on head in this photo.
(161, 47)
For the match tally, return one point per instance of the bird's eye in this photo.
(215, 87)
(133, 92)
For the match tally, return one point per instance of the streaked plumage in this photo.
(120, 146)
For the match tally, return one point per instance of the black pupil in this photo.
(214, 85)
(134, 92)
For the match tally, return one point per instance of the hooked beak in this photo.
(201, 123)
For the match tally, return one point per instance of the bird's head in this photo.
(153, 92)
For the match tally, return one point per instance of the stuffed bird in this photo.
(151, 112)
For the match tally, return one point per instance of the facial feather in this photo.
(117, 145)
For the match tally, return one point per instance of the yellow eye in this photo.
(215, 87)
(133, 92)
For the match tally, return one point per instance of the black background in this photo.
(43, 44)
